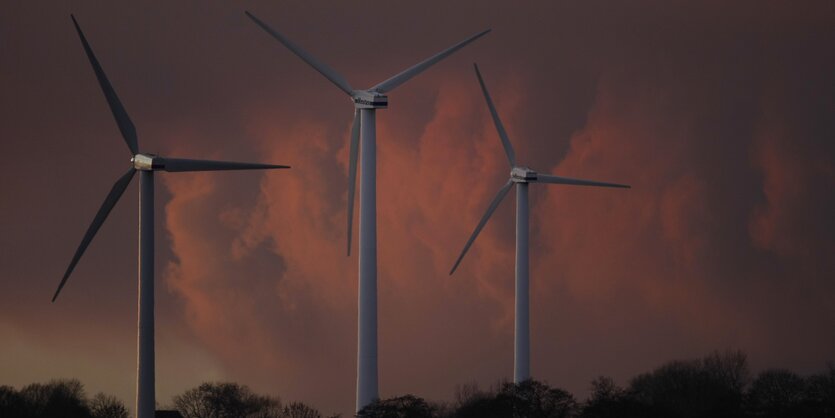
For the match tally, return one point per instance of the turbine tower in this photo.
(521, 177)
(365, 102)
(146, 164)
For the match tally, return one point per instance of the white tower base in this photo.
(145, 402)
(522, 346)
(367, 388)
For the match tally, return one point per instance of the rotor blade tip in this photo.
(455, 266)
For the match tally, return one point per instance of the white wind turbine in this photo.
(521, 177)
(365, 102)
(146, 164)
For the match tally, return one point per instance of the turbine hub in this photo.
(522, 175)
(147, 162)
(364, 99)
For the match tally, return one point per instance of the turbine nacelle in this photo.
(367, 99)
(522, 175)
(147, 162)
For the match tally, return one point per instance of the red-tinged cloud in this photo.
(638, 252)
(673, 262)
(263, 317)
(797, 185)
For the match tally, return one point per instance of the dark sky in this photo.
(720, 115)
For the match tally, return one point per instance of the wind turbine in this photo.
(365, 102)
(146, 164)
(520, 176)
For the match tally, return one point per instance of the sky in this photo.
(720, 116)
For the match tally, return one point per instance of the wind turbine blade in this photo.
(404, 76)
(180, 164)
(109, 202)
(492, 208)
(122, 119)
(319, 66)
(352, 172)
(508, 148)
(545, 178)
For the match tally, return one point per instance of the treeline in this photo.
(58, 398)
(66, 398)
(717, 386)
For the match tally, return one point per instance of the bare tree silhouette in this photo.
(300, 410)
(222, 400)
(106, 406)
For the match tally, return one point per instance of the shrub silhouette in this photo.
(300, 410)
(407, 406)
(820, 394)
(607, 400)
(530, 398)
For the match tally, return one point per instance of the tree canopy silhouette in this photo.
(58, 398)
(406, 406)
(222, 400)
(231, 400)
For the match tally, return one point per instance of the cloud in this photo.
(663, 270)
(792, 221)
